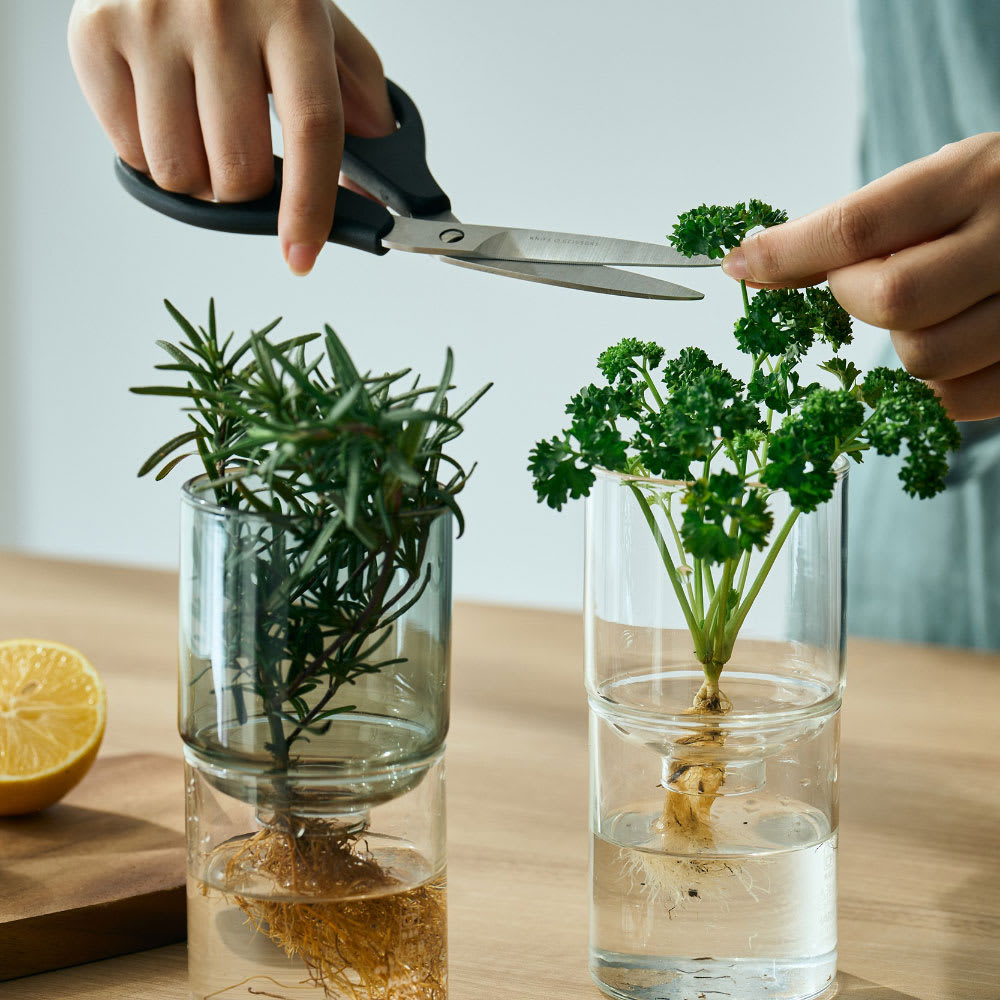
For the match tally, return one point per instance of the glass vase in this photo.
(313, 709)
(714, 833)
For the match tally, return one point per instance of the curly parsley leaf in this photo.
(557, 476)
(787, 321)
(691, 365)
(907, 411)
(712, 230)
(619, 363)
(805, 446)
(830, 320)
(718, 523)
(705, 404)
(562, 471)
(846, 372)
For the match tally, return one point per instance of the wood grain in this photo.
(99, 874)
(920, 832)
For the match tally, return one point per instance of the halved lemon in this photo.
(52, 713)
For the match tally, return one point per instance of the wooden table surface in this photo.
(920, 831)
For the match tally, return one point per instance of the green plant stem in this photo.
(706, 570)
(661, 544)
(767, 442)
(715, 612)
(648, 379)
(279, 743)
(680, 548)
(845, 446)
(736, 622)
(719, 625)
(744, 568)
(699, 590)
(723, 635)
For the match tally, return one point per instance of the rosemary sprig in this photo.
(349, 472)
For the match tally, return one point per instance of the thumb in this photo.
(784, 256)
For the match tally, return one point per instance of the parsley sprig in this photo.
(727, 444)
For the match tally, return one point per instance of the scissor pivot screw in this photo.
(451, 236)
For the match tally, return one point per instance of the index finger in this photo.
(911, 205)
(302, 66)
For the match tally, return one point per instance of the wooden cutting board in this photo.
(99, 874)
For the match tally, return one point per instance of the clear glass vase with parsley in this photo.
(714, 630)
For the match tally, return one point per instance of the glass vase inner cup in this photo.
(283, 695)
(789, 653)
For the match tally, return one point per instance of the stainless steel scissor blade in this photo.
(585, 277)
(456, 239)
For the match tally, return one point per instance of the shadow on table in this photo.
(860, 989)
(65, 830)
(966, 903)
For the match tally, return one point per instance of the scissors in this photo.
(394, 169)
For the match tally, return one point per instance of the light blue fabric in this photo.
(931, 76)
(927, 570)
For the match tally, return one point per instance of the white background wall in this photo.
(582, 116)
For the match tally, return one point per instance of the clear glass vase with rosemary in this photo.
(714, 631)
(315, 608)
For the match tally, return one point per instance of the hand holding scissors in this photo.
(181, 89)
(394, 169)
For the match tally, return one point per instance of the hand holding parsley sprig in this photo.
(729, 444)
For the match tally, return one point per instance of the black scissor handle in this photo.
(358, 222)
(392, 168)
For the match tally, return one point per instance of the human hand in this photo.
(915, 252)
(180, 87)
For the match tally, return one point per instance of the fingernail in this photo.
(301, 257)
(735, 264)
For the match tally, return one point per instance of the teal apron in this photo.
(928, 570)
